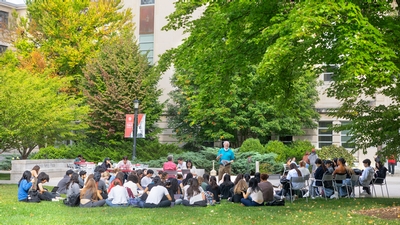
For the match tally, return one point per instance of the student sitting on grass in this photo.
(24, 185)
(44, 194)
(253, 196)
(214, 189)
(90, 197)
(118, 196)
(73, 189)
(194, 194)
(156, 195)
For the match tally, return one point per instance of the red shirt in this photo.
(169, 166)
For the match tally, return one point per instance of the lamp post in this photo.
(135, 125)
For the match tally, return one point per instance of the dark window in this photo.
(147, 2)
(324, 133)
(3, 48)
(3, 19)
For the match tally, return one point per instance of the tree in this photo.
(289, 43)
(35, 113)
(68, 32)
(114, 78)
(216, 76)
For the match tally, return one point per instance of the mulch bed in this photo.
(391, 213)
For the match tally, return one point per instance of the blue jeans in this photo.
(249, 202)
(109, 203)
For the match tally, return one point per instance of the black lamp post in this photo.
(135, 125)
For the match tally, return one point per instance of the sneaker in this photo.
(364, 193)
(54, 200)
(306, 195)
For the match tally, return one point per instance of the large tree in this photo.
(68, 32)
(286, 41)
(113, 79)
(35, 113)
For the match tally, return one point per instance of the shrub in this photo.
(333, 151)
(6, 163)
(280, 149)
(298, 148)
(252, 145)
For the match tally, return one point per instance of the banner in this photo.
(129, 120)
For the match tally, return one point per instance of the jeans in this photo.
(165, 203)
(391, 168)
(109, 203)
(249, 202)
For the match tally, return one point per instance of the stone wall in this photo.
(53, 167)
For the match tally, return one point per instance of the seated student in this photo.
(146, 180)
(194, 194)
(62, 184)
(380, 173)
(133, 184)
(77, 161)
(73, 189)
(366, 177)
(341, 170)
(253, 196)
(174, 190)
(206, 181)
(81, 178)
(238, 190)
(90, 197)
(318, 174)
(329, 190)
(186, 180)
(304, 171)
(191, 167)
(155, 196)
(266, 188)
(35, 171)
(214, 189)
(225, 186)
(118, 196)
(293, 172)
(43, 193)
(24, 185)
(247, 177)
(100, 184)
(106, 164)
(121, 177)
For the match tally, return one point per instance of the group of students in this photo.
(333, 167)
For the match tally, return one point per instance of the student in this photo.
(214, 189)
(253, 196)
(62, 184)
(90, 197)
(156, 195)
(118, 196)
(194, 194)
(35, 171)
(81, 178)
(133, 184)
(73, 190)
(146, 180)
(43, 193)
(366, 177)
(226, 187)
(24, 185)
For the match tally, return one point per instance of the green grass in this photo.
(314, 212)
(4, 176)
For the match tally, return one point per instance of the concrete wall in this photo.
(53, 167)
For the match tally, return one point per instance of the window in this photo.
(329, 71)
(3, 19)
(147, 2)
(328, 76)
(345, 137)
(146, 45)
(287, 140)
(324, 133)
(3, 48)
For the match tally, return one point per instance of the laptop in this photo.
(54, 190)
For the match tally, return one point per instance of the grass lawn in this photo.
(314, 212)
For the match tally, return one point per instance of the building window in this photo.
(146, 45)
(324, 133)
(329, 71)
(287, 140)
(3, 19)
(147, 2)
(345, 137)
(328, 76)
(3, 48)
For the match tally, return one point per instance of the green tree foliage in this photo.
(35, 113)
(333, 151)
(296, 149)
(117, 76)
(252, 145)
(289, 43)
(279, 149)
(216, 71)
(68, 32)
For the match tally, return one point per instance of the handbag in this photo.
(276, 203)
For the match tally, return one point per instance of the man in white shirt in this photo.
(181, 164)
(156, 195)
(147, 179)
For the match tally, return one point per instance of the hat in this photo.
(107, 158)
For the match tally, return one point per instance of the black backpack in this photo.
(73, 200)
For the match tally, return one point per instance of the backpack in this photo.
(73, 200)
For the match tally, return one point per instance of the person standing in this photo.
(312, 157)
(392, 162)
(225, 157)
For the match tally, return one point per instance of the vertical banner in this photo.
(129, 120)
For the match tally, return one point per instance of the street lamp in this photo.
(135, 125)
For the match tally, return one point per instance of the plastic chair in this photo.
(307, 180)
(325, 179)
(341, 183)
(296, 180)
(380, 182)
(355, 183)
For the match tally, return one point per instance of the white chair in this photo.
(380, 182)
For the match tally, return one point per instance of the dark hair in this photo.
(121, 177)
(206, 178)
(97, 176)
(342, 160)
(238, 177)
(36, 168)
(257, 176)
(69, 172)
(193, 188)
(185, 181)
(213, 182)
(294, 166)
(117, 182)
(74, 179)
(79, 156)
(179, 176)
(191, 164)
(157, 180)
(133, 178)
(367, 161)
(227, 179)
(82, 172)
(253, 184)
(25, 176)
(318, 161)
(180, 158)
(174, 187)
(43, 176)
(150, 172)
(169, 158)
(247, 177)
(125, 158)
(264, 176)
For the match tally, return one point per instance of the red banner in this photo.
(129, 123)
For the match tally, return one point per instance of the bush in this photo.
(333, 151)
(297, 149)
(280, 149)
(252, 145)
(6, 163)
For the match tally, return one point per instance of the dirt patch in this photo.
(391, 213)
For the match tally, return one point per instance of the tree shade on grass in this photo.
(319, 211)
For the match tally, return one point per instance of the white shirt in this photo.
(304, 171)
(295, 185)
(256, 196)
(181, 166)
(146, 181)
(132, 186)
(195, 198)
(156, 194)
(118, 195)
